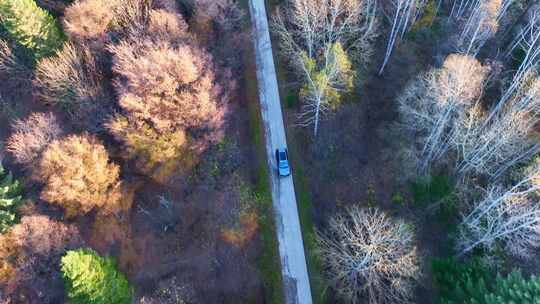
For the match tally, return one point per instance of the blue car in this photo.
(282, 159)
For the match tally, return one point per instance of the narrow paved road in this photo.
(291, 246)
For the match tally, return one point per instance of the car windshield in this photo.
(282, 156)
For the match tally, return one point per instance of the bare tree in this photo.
(31, 136)
(169, 87)
(89, 19)
(309, 32)
(462, 8)
(443, 110)
(131, 16)
(510, 138)
(528, 41)
(322, 91)
(434, 105)
(10, 64)
(78, 176)
(405, 14)
(31, 250)
(505, 216)
(481, 24)
(369, 255)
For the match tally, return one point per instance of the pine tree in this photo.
(457, 281)
(92, 279)
(10, 199)
(31, 26)
(512, 289)
(472, 282)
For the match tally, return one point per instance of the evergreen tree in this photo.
(458, 281)
(92, 279)
(512, 289)
(472, 282)
(10, 199)
(31, 26)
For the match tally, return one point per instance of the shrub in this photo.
(31, 252)
(91, 279)
(31, 26)
(78, 175)
(10, 199)
(168, 87)
(368, 255)
(244, 232)
(431, 190)
(31, 136)
(437, 194)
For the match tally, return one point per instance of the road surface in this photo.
(291, 246)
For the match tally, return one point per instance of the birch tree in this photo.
(433, 105)
(508, 139)
(322, 91)
(371, 256)
(311, 33)
(528, 42)
(481, 25)
(505, 216)
(405, 14)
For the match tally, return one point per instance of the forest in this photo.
(133, 165)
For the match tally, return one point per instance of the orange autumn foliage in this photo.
(78, 175)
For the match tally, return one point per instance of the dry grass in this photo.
(78, 175)
(239, 236)
(31, 136)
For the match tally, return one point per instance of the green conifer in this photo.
(31, 26)
(92, 279)
(10, 199)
